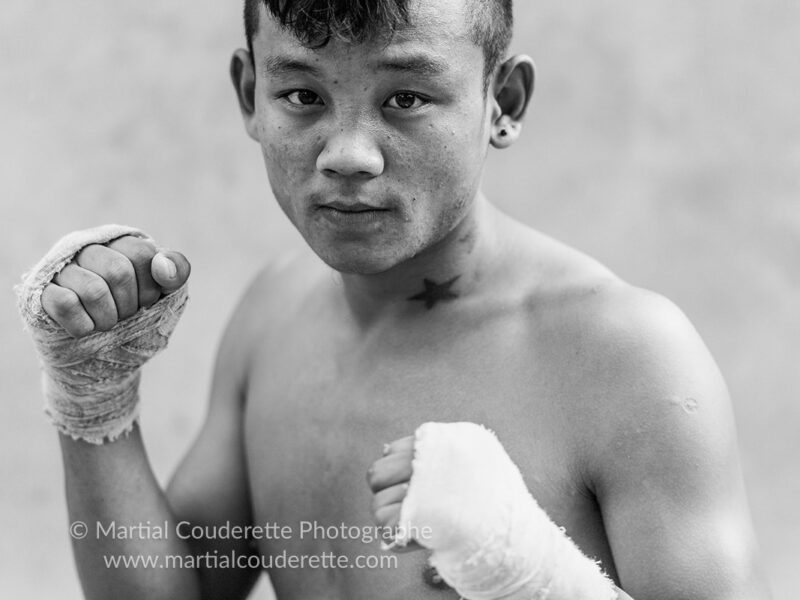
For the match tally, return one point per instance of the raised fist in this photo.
(105, 284)
(113, 283)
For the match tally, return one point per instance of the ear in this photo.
(243, 76)
(512, 89)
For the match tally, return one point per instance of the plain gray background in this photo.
(664, 139)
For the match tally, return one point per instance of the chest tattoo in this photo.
(436, 292)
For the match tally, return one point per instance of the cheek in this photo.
(440, 185)
(450, 162)
(285, 150)
(287, 158)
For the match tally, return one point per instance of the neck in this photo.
(447, 272)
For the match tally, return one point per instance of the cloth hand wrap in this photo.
(490, 539)
(91, 384)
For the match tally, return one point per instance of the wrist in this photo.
(95, 412)
(91, 383)
(489, 537)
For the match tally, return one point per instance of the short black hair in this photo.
(315, 22)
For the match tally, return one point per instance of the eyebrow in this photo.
(282, 65)
(416, 64)
(277, 66)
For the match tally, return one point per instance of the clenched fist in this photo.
(388, 478)
(105, 284)
(98, 305)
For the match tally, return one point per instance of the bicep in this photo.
(210, 490)
(678, 523)
(667, 474)
(210, 487)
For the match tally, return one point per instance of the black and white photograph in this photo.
(400, 299)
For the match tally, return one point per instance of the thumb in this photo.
(170, 270)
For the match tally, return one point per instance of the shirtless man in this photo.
(428, 305)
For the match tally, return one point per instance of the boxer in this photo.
(558, 432)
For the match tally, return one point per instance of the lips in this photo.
(353, 215)
(351, 207)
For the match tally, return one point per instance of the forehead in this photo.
(438, 27)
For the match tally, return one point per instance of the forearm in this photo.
(113, 485)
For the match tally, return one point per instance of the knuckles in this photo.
(376, 504)
(113, 266)
(141, 253)
(120, 273)
(95, 291)
(64, 307)
(377, 477)
(83, 297)
(386, 516)
(138, 251)
(371, 478)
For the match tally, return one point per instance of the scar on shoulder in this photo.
(689, 405)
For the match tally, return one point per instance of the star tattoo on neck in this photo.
(436, 292)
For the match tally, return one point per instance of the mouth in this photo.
(351, 214)
(351, 207)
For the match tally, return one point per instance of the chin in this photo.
(358, 263)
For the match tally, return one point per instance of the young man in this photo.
(429, 305)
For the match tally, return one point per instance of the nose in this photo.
(351, 153)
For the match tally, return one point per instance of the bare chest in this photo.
(318, 414)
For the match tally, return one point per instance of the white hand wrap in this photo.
(91, 384)
(489, 537)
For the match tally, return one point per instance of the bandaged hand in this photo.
(451, 488)
(98, 305)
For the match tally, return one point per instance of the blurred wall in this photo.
(664, 139)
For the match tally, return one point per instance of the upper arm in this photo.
(210, 486)
(666, 469)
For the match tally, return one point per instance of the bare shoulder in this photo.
(636, 372)
(639, 358)
(273, 299)
(651, 419)
(640, 372)
(620, 340)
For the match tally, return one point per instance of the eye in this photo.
(406, 101)
(303, 98)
